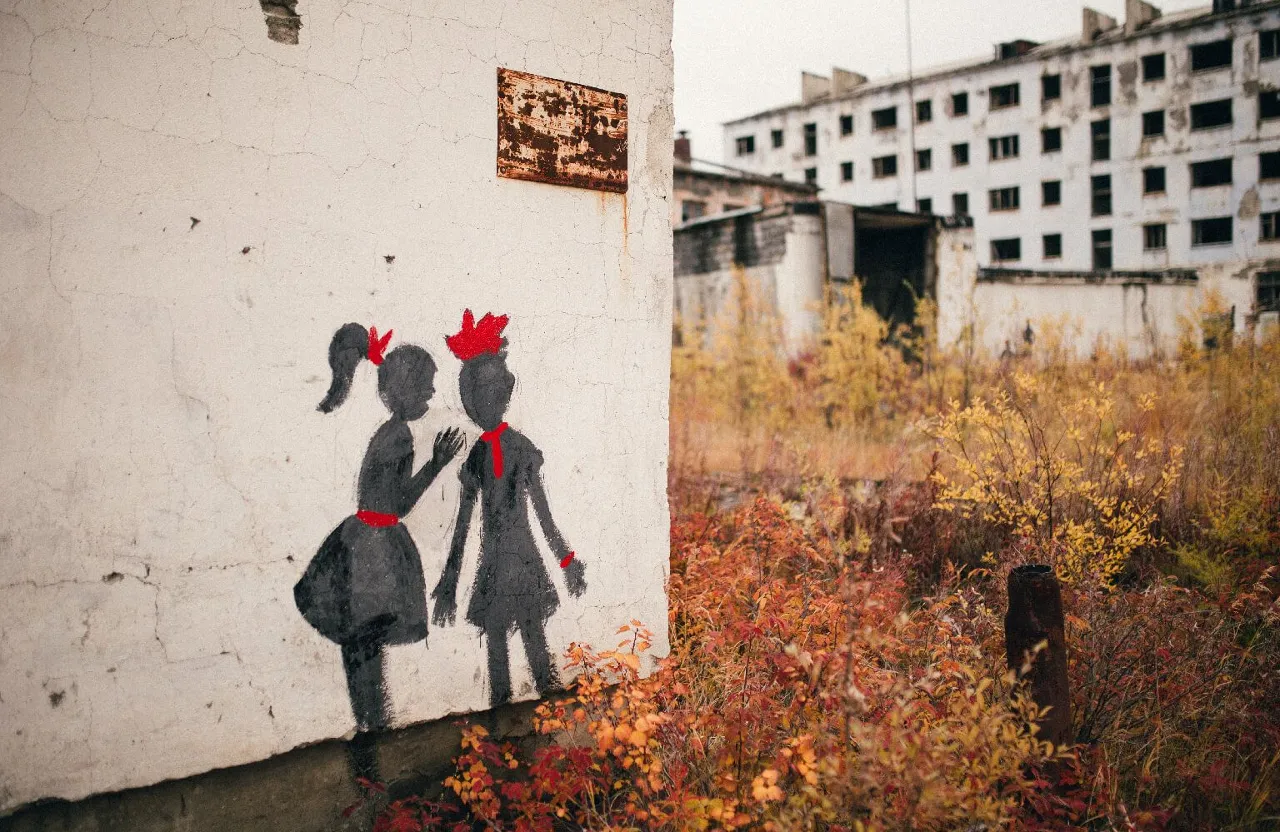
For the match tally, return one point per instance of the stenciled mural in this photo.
(364, 589)
(513, 591)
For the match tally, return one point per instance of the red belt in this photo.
(376, 519)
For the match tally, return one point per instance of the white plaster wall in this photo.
(957, 271)
(799, 281)
(1138, 319)
(164, 473)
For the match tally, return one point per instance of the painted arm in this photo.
(447, 445)
(574, 572)
(446, 591)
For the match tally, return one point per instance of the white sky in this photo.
(737, 57)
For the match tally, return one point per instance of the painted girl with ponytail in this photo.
(364, 589)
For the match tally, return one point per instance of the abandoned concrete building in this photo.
(703, 188)
(793, 252)
(1136, 162)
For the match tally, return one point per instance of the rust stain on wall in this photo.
(561, 133)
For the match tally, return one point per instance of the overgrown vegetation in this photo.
(843, 526)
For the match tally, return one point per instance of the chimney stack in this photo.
(1096, 23)
(1138, 14)
(842, 80)
(813, 87)
(684, 149)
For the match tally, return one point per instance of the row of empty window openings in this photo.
(1155, 237)
(1205, 174)
(1203, 56)
(1203, 116)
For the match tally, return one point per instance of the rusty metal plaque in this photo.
(561, 133)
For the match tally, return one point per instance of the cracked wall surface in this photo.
(164, 474)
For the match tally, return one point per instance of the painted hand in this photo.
(446, 608)
(575, 577)
(448, 442)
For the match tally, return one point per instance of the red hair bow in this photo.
(477, 339)
(378, 346)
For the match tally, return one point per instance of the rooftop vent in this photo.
(1138, 14)
(813, 87)
(1014, 49)
(1096, 23)
(684, 149)
(842, 80)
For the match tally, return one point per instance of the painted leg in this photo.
(545, 675)
(499, 668)
(363, 663)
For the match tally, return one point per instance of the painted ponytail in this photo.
(350, 344)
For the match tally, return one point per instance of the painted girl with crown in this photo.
(513, 591)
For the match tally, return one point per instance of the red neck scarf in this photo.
(494, 438)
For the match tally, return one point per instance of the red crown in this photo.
(477, 339)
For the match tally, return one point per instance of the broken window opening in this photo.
(1268, 292)
(1052, 246)
(1155, 237)
(1269, 45)
(1051, 192)
(1100, 85)
(1211, 55)
(1209, 173)
(1003, 251)
(1211, 114)
(1153, 180)
(1153, 124)
(924, 159)
(882, 167)
(1211, 232)
(1050, 139)
(1050, 87)
(1102, 250)
(959, 155)
(811, 139)
(778, 137)
(1004, 95)
(1153, 67)
(1269, 165)
(1270, 230)
(1101, 133)
(746, 145)
(1003, 147)
(846, 171)
(1004, 199)
(1100, 187)
(885, 119)
(960, 104)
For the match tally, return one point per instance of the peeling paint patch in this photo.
(561, 133)
(283, 21)
(1250, 204)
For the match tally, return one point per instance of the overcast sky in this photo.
(737, 57)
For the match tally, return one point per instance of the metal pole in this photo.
(911, 109)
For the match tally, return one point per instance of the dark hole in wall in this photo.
(890, 263)
(283, 22)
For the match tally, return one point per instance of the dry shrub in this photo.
(837, 594)
(1065, 479)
